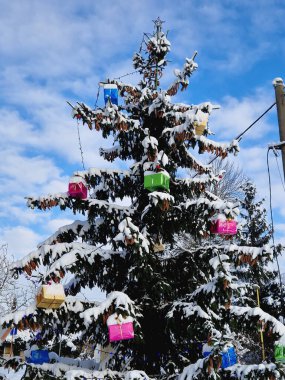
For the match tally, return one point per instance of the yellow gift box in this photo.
(200, 127)
(50, 296)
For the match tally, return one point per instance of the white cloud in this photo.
(21, 240)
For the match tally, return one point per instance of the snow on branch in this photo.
(248, 312)
(76, 255)
(118, 299)
(255, 371)
(71, 306)
(219, 149)
(112, 183)
(227, 208)
(76, 229)
(254, 252)
(95, 206)
(109, 119)
(110, 153)
(74, 372)
(187, 160)
(182, 75)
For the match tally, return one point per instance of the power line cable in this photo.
(255, 121)
(281, 179)
(273, 239)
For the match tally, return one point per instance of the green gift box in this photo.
(156, 181)
(279, 353)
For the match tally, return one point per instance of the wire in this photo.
(252, 124)
(80, 145)
(273, 239)
(281, 179)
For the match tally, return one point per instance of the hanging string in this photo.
(273, 239)
(97, 96)
(125, 75)
(80, 145)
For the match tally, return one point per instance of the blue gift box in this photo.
(38, 357)
(229, 358)
(111, 92)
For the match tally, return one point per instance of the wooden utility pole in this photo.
(280, 104)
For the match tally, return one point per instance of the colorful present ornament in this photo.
(38, 357)
(156, 181)
(201, 126)
(229, 357)
(111, 93)
(279, 353)
(77, 187)
(50, 296)
(223, 226)
(120, 328)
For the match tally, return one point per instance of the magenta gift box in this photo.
(224, 227)
(77, 188)
(121, 331)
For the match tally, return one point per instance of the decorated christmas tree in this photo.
(165, 315)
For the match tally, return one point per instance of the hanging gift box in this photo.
(77, 187)
(120, 328)
(279, 353)
(224, 227)
(156, 181)
(50, 296)
(111, 93)
(229, 357)
(38, 357)
(201, 126)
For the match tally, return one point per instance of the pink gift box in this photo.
(224, 227)
(77, 188)
(121, 331)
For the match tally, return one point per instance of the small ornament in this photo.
(224, 227)
(201, 126)
(38, 357)
(120, 328)
(158, 247)
(111, 93)
(50, 296)
(77, 187)
(157, 181)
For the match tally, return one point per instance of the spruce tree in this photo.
(177, 302)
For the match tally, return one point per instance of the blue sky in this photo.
(56, 51)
